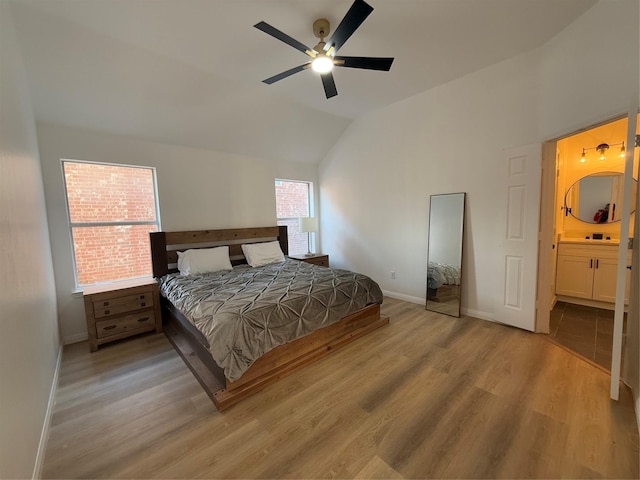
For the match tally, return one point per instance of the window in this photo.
(293, 200)
(112, 209)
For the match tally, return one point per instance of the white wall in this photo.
(29, 344)
(197, 189)
(376, 181)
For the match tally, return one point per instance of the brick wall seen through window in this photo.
(112, 209)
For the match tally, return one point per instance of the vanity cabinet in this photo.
(589, 272)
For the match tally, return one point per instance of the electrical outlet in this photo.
(393, 275)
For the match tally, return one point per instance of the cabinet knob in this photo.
(629, 267)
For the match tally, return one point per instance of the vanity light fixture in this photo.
(602, 150)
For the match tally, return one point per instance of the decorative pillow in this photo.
(204, 260)
(258, 254)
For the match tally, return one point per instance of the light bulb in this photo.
(322, 64)
(623, 151)
(602, 148)
(583, 157)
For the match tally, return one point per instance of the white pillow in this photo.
(259, 254)
(204, 260)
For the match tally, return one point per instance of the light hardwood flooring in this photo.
(428, 396)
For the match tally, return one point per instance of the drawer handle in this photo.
(143, 319)
(141, 297)
(109, 327)
(105, 304)
(591, 263)
(106, 312)
(143, 304)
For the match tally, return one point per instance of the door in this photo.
(575, 276)
(517, 248)
(604, 280)
(622, 274)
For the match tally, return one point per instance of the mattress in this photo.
(246, 312)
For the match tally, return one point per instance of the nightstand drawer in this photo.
(320, 261)
(115, 326)
(121, 309)
(117, 305)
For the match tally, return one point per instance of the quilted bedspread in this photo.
(245, 312)
(439, 274)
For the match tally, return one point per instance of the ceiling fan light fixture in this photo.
(322, 64)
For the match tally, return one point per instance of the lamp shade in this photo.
(308, 224)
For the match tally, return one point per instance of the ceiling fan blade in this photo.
(357, 14)
(329, 85)
(369, 63)
(283, 37)
(286, 74)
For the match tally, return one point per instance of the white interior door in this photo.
(517, 249)
(621, 287)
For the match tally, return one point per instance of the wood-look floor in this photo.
(428, 396)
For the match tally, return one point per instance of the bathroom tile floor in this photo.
(587, 331)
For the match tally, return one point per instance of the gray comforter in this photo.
(248, 311)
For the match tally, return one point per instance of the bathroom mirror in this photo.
(444, 256)
(597, 198)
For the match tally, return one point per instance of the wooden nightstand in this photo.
(316, 259)
(121, 309)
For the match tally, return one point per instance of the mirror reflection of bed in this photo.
(444, 258)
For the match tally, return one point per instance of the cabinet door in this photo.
(604, 281)
(574, 276)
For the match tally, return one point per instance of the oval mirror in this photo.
(597, 198)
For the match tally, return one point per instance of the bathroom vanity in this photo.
(586, 272)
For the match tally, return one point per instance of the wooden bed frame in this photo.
(192, 346)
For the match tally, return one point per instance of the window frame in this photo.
(72, 225)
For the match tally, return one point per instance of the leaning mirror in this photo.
(597, 198)
(444, 256)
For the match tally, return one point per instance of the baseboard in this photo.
(77, 338)
(44, 436)
(422, 301)
(407, 298)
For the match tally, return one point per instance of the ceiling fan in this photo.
(323, 55)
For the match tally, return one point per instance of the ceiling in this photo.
(189, 72)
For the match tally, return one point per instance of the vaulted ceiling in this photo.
(189, 72)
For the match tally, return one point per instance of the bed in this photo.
(240, 370)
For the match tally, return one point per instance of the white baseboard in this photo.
(402, 296)
(422, 301)
(79, 337)
(44, 436)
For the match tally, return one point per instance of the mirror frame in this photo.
(430, 304)
(569, 210)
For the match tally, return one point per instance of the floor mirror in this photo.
(444, 256)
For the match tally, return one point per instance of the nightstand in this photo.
(120, 310)
(315, 259)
